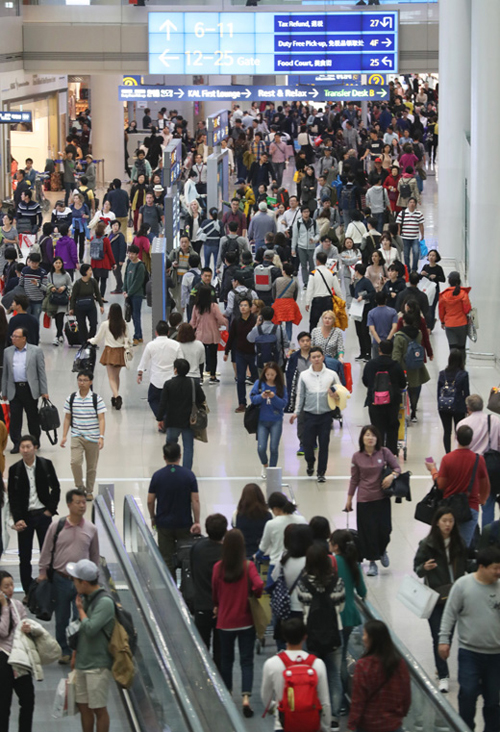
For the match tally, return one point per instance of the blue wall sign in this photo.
(218, 127)
(277, 94)
(12, 117)
(270, 43)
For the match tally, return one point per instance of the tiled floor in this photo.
(132, 453)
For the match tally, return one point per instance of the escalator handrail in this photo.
(133, 515)
(417, 673)
(182, 698)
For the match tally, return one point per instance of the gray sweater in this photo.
(476, 610)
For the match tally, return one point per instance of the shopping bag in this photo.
(429, 288)
(47, 320)
(423, 249)
(27, 240)
(65, 699)
(420, 599)
(224, 335)
(357, 309)
(5, 416)
(348, 376)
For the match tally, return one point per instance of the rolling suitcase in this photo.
(71, 331)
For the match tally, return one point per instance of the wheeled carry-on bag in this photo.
(71, 331)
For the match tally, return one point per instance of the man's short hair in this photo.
(22, 300)
(267, 313)
(239, 278)
(35, 257)
(380, 298)
(74, 492)
(316, 349)
(117, 183)
(414, 278)
(231, 257)
(194, 260)
(133, 248)
(216, 526)
(28, 193)
(172, 451)
(293, 631)
(86, 372)
(487, 556)
(474, 403)
(181, 365)
(321, 257)
(162, 328)
(464, 435)
(233, 226)
(385, 347)
(29, 438)
(303, 334)
(206, 269)
(247, 300)
(360, 268)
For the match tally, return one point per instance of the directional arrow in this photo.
(168, 26)
(382, 93)
(165, 59)
(386, 22)
(386, 61)
(387, 42)
(247, 93)
(179, 93)
(314, 93)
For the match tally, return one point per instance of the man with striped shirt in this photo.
(29, 211)
(84, 413)
(411, 229)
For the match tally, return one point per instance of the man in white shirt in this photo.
(320, 285)
(294, 633)
(486, 429)
(291, 216)
(33, 496)
(158, 356)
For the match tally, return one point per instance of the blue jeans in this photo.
(467, 529)
(333, 663)
(65, 609)
(242, 361)
(210, 250)
(35, 309)
(411, 245)
(266, 430)
(488, 511)
(380, 221)
(479, 673)
(187, 443)
(136, 305)
(154, 398)
(246, 643)
(288, 329)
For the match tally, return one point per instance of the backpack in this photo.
(322, 625)
(382, 388)
(404, 191)
(97, 248)
(232, 245)
(299, 708)
(348, 199)
(72, 399)
(238, 297)
(266, 346)
(414, 357)
(263, 278)
(446, 397)
(86, 198)
(122, 644)
(281, 605)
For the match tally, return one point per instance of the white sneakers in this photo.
(444, 686)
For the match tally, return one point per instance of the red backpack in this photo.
(299, 708)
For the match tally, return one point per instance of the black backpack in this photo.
(382, 388)
(266, 346)
(405, 192)
(348, 199)
(322, 624)
(238, 297)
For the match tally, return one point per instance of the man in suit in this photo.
(23, 383)
(33, 495)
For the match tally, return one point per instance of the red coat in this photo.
(453, 309)
(108, 261)
(391, 182)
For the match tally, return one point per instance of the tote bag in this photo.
(417, 597)
(357, 309)
(429, 288)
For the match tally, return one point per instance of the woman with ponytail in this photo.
(454, 306)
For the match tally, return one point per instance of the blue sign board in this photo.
(218, 128)
(270, 43)
(172, 163)
(256, 93)
(13, 117)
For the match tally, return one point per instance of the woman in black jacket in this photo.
(434, 273)
(441, 559)
(308, 190)
(452, 391)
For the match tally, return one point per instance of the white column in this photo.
(107, 124)
(485, 164)
(454, 122)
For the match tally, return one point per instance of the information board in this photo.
(270, 43)
(172, 162)
(218, 127)
(12, 117)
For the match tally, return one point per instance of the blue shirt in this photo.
(19, 364)
(172, 486)
(382, 318)
(272, 412)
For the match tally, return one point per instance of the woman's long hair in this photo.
(347, 550)
(455, 281)
(233, 556)
(252, 503)
(297, 540)
(279, 382)
(382, 647)
(319, 564)
(203, 300)
(455, 361)
(456, 547)
(3, 324)
(116, 322)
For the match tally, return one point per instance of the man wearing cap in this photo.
(261, 224)
(379, 170)
(74, 538)
(90, 172)
(92, 660)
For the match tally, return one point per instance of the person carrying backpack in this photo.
(270, 339)
(322, 595)
(408, 351)
(191, 279)
(384, 380)
(265, 275)
(311, 710)
(102, 260)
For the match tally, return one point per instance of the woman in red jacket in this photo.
(391, 185)
(101, 257)
(232, 580)
(381, 694)
(454, 305)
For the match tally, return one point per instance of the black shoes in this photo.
(310, 471)
(15, 450)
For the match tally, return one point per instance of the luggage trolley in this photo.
(404, 420)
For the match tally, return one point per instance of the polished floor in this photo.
(132, 452)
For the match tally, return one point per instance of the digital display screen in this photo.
(271, 43)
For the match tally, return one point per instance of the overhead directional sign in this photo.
(254, 93)
(270, 43)
(12, 117)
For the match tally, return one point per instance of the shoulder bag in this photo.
(494, 400)
(261, 614)
(427, 507)
(198, 421)
(251, 416)
(458, 503)
(400, 486)
(492, 460)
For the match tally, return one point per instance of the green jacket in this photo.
(95, 633)
(134, 282)
(350, 614)
(415, 377)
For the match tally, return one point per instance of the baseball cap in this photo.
(83, 570)
(262, 206)
(269, 254)
(241, 180)
(378, 160)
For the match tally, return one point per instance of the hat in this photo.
(158, 188)
(343, 393)
(269, 254)
(89, 156)
(262, 206)
(378, 160)
(83, 570)
(241, 180)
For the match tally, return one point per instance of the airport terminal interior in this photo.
(376, 84)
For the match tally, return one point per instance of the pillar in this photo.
(107, 124)
(485, 164)
(454, 122)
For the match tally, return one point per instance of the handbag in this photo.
(471, 329)
(418, 597)
(429, 288)
(492, 460)
(84, 304)
(127, 311)
(49, 419)
(400, 486)
(198, 421)
(494, 400)
(297, 176)
(128, 355)
(251, 417)
(427, 507)
(357, 309)
(47, 320)
(261, 614)
(458, 503)
(424, 251)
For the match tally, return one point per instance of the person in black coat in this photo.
(34, 492)
(261, 172)
(412, 292)
(176, 404)
(119, 249)
(453, 386)
(363, 290)
(385, 416)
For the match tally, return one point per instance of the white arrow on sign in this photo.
(165, 59)
(314, 93)
(386, 61)
(179, 93)
(387, 42)
(247, 93)
(382, 93)
(168, 26)
(386, 22)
